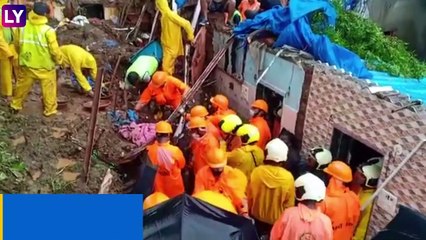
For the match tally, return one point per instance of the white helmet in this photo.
(277, 150)
(309, 187)
(371, 170)
(322, 156)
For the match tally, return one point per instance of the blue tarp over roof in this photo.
(415, 88)
(291, 25)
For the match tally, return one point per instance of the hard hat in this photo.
(197, 122)
(276, 150)
(322, 156)
(248, 133)
(371, 170)
(41, 8)
(159, 78)
(309, 187)
(216, 199)
(154, 199)
(229, 123)
(260, 104)
(220, 101)
(216, 158)
(163, 127)
(198, 111)
(340, 171)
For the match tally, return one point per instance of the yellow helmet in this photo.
(248, 133)
(216, 199)
(197, 111)
(197, 122)
(163, 127)
(154, 199)
(230, 123)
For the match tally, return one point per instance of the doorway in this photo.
(347, 149)
(92, 11)
(275, 102)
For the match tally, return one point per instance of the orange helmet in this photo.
(159, 78)
(197, 111)
(220, 101)
(260, 104)
(154, 199)
(197, 122)
(163, 127)
(216, 158)
(340, 171)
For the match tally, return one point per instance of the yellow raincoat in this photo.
(77, 59)
(362, 228)
(171, 35)
(246, 158)
(37, 58)
(7, 50)
(270, 191)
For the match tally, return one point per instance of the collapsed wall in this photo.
(338, 101)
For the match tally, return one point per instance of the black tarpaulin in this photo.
(187, 218)
(406, 225)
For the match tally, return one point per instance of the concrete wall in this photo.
(283, 77)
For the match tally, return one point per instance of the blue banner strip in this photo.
(72, 216)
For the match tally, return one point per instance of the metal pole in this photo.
(92, 126)
(114, 85)
(269, 66)
(392, 175)
(154, 25)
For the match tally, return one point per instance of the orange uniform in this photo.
(169, 94)
(246, 5)
(232, 183)
(170, 161)
(218, 115)
(264, 130)
(302, 222)
(342, 206)
(200, 147)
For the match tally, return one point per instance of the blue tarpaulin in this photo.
(415, 88)
(180, 3)
(291, 25)
(151, 49)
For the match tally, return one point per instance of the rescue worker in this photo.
(202, 141)
(365, 182)
(79, 60)
(38, 52)
(341, 205)
(154, 199)
(249, 155)
(318, 160)
(271, 187)
(169, 159)
(171, 35)
(223, 179)
(220, 105)
(164, 89)
(227, 7)
(216, 199)
(228, 127)
(201, 111)
(304, 221)
(258, 111)
(248, 5)
(139, 73)
(7, 56)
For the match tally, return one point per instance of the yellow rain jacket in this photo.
(270, 191)
(38, 52)
(365, 216)
(77, 59)
(246, 158)
(171, 35)
(7, 50)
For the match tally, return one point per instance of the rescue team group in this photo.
(237, 166)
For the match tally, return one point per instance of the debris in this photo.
(70, 176)
(64, 162)
(106, 183)
(59, 132)
(36, 175)
(18, 141)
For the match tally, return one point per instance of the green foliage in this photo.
(11, 167)
(364, 37)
